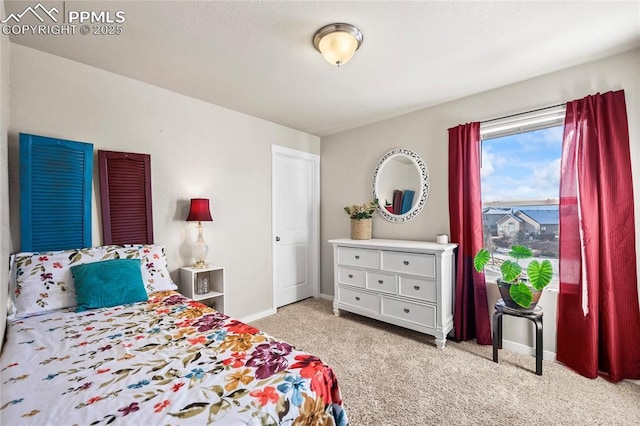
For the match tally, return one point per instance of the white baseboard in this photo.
(326, 296)
(258, 315)
(527, 350)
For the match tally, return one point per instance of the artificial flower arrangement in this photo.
(362, 211)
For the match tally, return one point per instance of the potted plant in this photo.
(519, 289)
(361, 221)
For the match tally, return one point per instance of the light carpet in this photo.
(392, 376)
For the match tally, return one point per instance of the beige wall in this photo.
(4, 192)
(197, 150)
(349, 158)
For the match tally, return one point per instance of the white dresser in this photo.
(406, 283)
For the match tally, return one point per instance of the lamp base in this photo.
(200, 250)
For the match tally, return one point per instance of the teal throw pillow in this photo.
(108, 283)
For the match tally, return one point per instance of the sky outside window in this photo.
(524, 166)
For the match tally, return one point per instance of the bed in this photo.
(165, 360)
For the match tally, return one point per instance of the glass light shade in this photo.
(338, 42)
(338, 48)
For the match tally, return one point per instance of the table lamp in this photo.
(199, 211)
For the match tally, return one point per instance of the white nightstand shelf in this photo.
(189, 279)
(209, 295)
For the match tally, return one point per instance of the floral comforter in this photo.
(168, 361)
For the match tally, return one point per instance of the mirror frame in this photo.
(424, 184)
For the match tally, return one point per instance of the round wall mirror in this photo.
(400, 184)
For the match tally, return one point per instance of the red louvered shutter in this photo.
(125, 191)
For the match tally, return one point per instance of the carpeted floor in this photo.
(392, 376)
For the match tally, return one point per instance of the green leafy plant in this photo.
(361, 211)
(538, 274)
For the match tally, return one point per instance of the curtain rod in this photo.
(522, 113)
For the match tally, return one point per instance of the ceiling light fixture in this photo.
(337, 42)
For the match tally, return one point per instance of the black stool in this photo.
(535, 316)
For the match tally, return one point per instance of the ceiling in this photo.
(258, 58)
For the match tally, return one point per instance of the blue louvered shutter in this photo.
(55, 193)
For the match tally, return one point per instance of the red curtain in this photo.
(471, 319)
(598, 313)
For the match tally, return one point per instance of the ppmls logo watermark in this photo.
(57, 20)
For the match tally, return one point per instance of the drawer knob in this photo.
(350, 275)
(416, 287)
(357, 298)
(406, 262)
(380, 282)
(406, 311)
(357, 257)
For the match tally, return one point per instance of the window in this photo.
(520, 180)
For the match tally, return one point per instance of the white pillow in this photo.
(42, 282)
(155, 272)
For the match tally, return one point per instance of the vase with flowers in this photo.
(361, 219)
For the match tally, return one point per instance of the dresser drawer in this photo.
(359, 299)
(365, 258)
(409, 263)
(418, 289)
(407, 311)
(382, 282)
(355, 277)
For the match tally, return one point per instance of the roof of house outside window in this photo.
(496, 211)
(543, 217)
(509, 216)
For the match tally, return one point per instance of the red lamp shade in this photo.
(199, 210)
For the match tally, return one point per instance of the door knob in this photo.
(277, 238)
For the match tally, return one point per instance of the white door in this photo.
(296, 193)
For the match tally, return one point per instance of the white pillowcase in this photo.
(43, 282)
(155, 273)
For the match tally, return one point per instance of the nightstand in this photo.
(189, 279)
